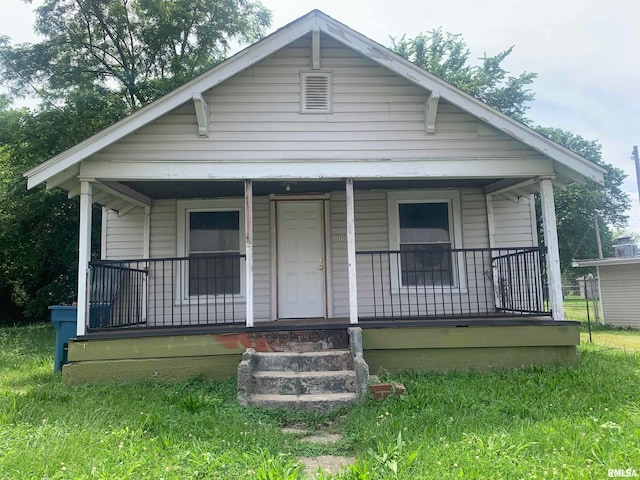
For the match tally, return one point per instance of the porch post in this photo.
(248, 231)
(146, 254)
(491, 221)
(84, 256)
(351, 254)
(146, 233)
(551, 242)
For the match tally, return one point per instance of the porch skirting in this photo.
(176, 356)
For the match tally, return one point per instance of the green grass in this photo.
(575, 308)
(528, 423)
(614, 337)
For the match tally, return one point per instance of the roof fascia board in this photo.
(466, 102)
(218, 74)
(603, 262)
(440, 168)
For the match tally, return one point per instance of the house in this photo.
(618, 281)
(312, 182)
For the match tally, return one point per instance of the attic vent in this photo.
(315, 92)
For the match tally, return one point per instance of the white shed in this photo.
(619, 289)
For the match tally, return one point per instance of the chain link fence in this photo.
(582, 300)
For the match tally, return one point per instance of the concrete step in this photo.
(330, 360)
(316, 402)
(299, 383)
(302, 340)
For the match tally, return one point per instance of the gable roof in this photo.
(573, 165)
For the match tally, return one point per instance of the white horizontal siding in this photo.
(255, 115)
(620, 285)
(514, 222)
(371, 234)
(124, 235)
(475, 229)
(163, 242)
(262, 258)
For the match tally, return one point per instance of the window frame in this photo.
(452, 199)
(184, 208)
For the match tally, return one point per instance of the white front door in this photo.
(301, 262)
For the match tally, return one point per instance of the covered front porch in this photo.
(346, 273)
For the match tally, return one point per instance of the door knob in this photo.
(320, 267)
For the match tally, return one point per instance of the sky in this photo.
(586, 54)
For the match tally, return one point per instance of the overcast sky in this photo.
(586, 54)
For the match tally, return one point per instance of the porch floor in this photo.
(321, 324)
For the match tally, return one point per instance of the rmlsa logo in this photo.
(622, 473)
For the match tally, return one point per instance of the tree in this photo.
(446, 55)
(99, 60)
(138, 48)
(39, 228)
(577, 205)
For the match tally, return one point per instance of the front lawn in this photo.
(527, 423)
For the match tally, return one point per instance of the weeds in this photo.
(275, 467)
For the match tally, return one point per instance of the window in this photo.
(425, 244)
(424, 227)
(210, 234)
(214, 245)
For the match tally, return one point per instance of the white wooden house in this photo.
(320, 177)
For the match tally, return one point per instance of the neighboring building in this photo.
(316, 180)
(619, 283)
(588, 286)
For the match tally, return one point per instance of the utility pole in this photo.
(596, 296)
(634, 155)
(598, 241)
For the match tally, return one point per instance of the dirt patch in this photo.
(313, 436)
(295, 431)
(322, 438)
(330, 464)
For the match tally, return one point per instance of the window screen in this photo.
(214, 248)
(425, 244)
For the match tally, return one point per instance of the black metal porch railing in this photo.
(167, 292)
(438, 283)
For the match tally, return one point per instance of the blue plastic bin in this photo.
(64, 319)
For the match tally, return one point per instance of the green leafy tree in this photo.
(577, 205)
(39, 228)
(139, 48)
(447, 55)
(99, 60)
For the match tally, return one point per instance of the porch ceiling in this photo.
(207, 189)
